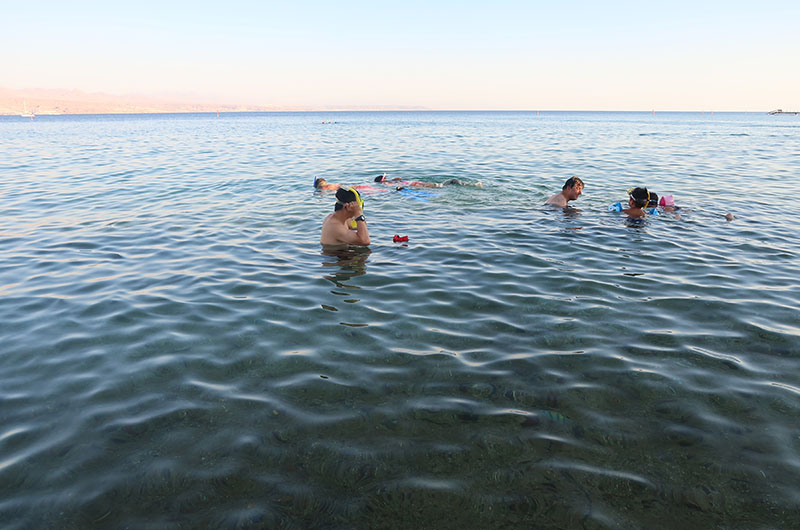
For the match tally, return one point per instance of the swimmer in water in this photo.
(322, 184)
(571, 190)
(337, 227)
(667, 204)
(637, 201)
(397, 181)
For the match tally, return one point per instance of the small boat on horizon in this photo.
(25, 112)
(781, 111)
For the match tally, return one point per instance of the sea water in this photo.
(178, 351)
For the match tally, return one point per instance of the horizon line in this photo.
(390, 109)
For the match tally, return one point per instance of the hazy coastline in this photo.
(41, 102)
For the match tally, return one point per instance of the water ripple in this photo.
(179, 352)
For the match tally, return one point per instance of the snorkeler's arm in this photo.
(361, 232)
(337, 233)
(359, 236)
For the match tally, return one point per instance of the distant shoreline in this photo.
(221, 112)
(52, 102)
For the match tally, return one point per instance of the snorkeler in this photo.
(638, 198)
(397, 181)
(337, 228)
(571, 190)
(322, 184)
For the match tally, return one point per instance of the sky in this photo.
(450, 55)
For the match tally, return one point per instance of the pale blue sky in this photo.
(531, 55)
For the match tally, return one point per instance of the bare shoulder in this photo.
(326, 222)
(557, 200)
(331, 231)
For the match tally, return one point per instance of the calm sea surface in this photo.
(177, 351)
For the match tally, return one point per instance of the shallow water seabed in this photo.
(178, 352)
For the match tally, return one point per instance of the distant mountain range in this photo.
(41, 101)
(47, 101)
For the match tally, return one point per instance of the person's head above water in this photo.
(653, 199)
(383, 178)
(572, 182)
(345, 195)
(322, 184)
(572, 188)
(639, 197)
(570, 191)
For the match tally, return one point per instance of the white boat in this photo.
(25, 112)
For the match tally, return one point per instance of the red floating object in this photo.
(400, 239)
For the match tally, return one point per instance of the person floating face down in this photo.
(347, 224)
(322, 184)
(400, 183)
(571, 190)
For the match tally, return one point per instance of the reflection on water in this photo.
(347, 264)
(342, 265)
(636, 222)
(572, 212)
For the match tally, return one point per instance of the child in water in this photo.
(638, 199)
(668, 203)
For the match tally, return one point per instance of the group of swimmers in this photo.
(641, 201)
(347, 224)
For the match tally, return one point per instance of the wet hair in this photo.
(318, 182)
(640, 197)
(380, 178)
(572, 182)
(653, 199)
(343, 196)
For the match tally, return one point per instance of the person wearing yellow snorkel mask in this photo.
(338, 229)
